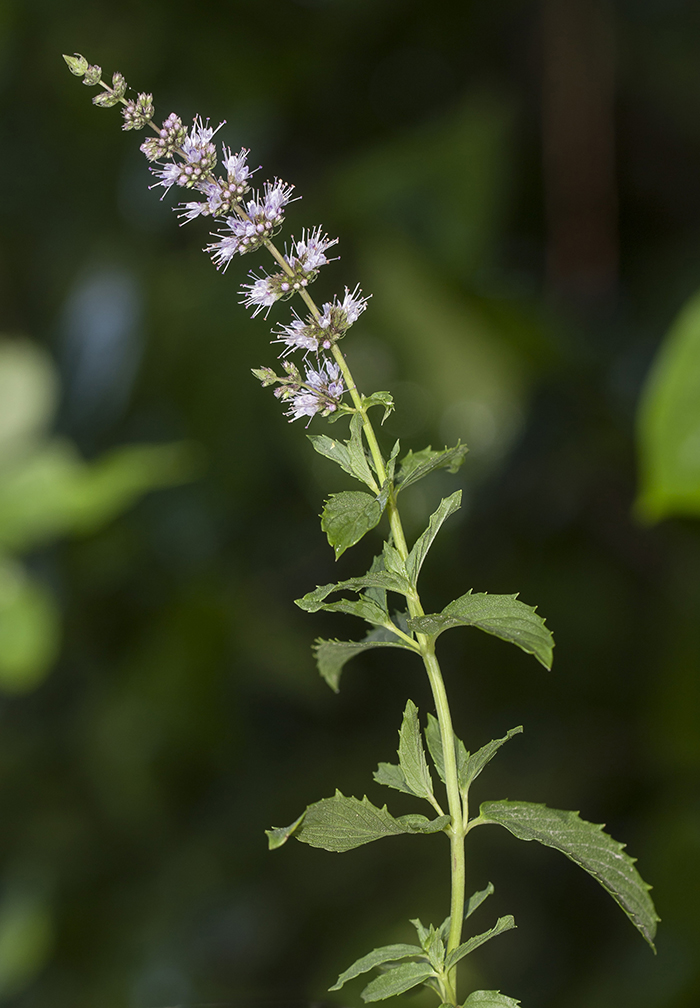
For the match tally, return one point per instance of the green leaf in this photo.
(76, 64)
(332, 655)
(477, 899)
(315, 600)
(341, 824)
(384, 399)
(479, 759)
(393, 561)
(397, 981)
(377, 594)
(412, 755)
(279, 835)
(392, 776)
(416, 465)
(434, 740)
(30, 629)
(669, 424)
(490, 999)
(350, 455)
(388, 953)
(447, 507)
(501, 925)
(414, 822)
(347, 517)
(586, 845)
(501, 615)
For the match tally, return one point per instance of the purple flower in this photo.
(320, 393)
(261, 293)
(309, 253)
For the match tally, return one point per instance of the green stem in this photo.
(456, 830)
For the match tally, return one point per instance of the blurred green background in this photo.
(518, 186)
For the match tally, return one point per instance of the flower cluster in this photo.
(188, 158)
(318, 391)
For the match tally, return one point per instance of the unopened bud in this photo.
(77, 64)
(105, 99)
(118, 85)
(93, 75)
(266, 375)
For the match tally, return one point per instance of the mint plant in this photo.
(434, 766)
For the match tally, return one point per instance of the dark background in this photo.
(518, 186)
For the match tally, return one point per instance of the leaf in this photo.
(669, 424)
(384, 399)
(434, 740)
(332, 655)
(414, 822)
(396, 981)
(477, 899)
(416, 465)
(391, 775)
(447, 507)
(347, 517)
(586, 845)
(315, 600)
(393, 561)
(502, 924)
(412, 756)
(279, 835)
(350, 455)
(501, 615)
(341, 824)
(490, 999)
(377, 595)
(30, 629)
(378, 956)
(479, 759)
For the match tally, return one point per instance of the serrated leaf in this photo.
(356, 451)
(415, 465)
(397, 981)
(377, 595)
(435, 948)
(315, 600)
(393, 561)
(384, 399)
(412, 755)
(506, 923)
(391, 461)
(347, 517)
(477, 899)
(478, 760)
(448, 506)
(414, 822)
(434, 740)
(391, 776)
(586, 845)
(501, 615)
(490, 999)
(279, 835)
(332, 655)
(378, 956)
(341, 824)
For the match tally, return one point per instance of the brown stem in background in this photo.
(578, 136)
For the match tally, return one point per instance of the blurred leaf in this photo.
(669, 424)
(347, 517)
(28, 395)
(502, 924)
(416, 465)
(501, 615)
(29, 629)
(414, 562)
(412, 756)
(434, 739)
(53, 492)
(586, 845)
(396, 981)
(331, 655)
(388, 953)
(26, 938)
(479, 759)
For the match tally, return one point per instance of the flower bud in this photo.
(105, 99)
(77, 64)
(93, 75)
(138, 113)
(118, 85)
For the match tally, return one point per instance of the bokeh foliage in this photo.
(184, 714)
